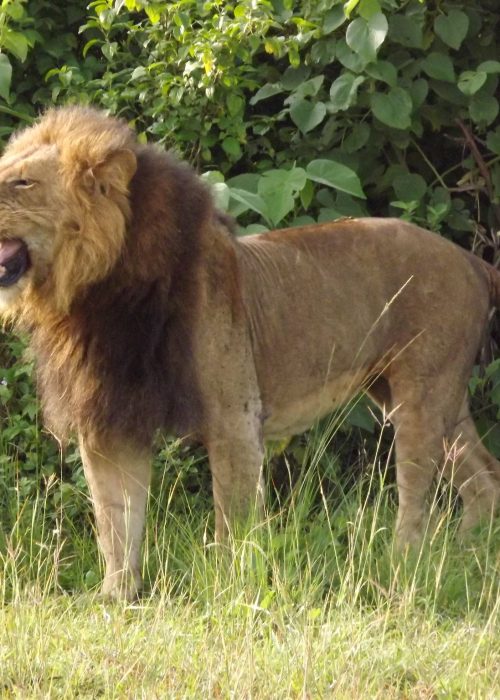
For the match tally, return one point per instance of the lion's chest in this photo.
(292, 411)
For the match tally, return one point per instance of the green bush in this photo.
(403, 96)
(35, 37)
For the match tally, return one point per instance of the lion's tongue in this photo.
(8, 249)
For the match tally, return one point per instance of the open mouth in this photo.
(14, 261)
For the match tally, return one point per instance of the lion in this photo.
(147, 313)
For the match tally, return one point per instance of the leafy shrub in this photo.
(35, 37)
(404, 96)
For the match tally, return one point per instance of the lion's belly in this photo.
(298, 413)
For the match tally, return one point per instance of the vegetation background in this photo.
(295, 112)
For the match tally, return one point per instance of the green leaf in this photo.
(293, 77)
(232, 147)
(297, 178)
(337, 175)
(309, 88)
(34, 37)
(449, 92)
(410, 187)
(251, 201)
(393, 108)
(358, 138)
(385, 71)
(5, 76)
(439, 66)
(235, 104)
(240, 11)
(489, 67)
(109, 49)
(329, 214)
(470, 81)
(278, 189)
(368, 8)
(418, 92)
(495, 180)
(307, 115)
(247, 181)
(139, 72)
(348, 58)
(483, 109)
(307, 194)
(293, 180)
(406, 31)
(364, 37)
(360, 416)
(493, 141)
(452, 28)
(343, 91)
(348, 206)
(439, 196)
(267, 90)
(495, 392)
(14, 10)
(334, 18)
(324, 51)
(89, 45)
(491, 438)
(15, 43)
(154, 13)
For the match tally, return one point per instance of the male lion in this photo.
(145, 313)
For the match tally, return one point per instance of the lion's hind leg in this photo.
(425, 413)
(419, 451)
(118, 478)
(475, 473)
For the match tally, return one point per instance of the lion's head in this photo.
(63, 206)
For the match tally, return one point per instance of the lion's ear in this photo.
(115, 171)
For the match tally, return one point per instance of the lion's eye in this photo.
(22, 183)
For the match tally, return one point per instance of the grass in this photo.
(311, 603)
(62, 646)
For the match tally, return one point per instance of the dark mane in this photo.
(126, 343)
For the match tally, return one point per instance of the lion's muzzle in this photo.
(14, 261)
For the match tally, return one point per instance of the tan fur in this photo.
(147, 314)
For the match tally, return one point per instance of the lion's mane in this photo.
(117, 358)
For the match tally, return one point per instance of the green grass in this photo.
(311, 603)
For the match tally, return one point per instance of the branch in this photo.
(476, 154)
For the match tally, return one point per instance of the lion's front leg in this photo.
(231, 427)
(118, 478)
